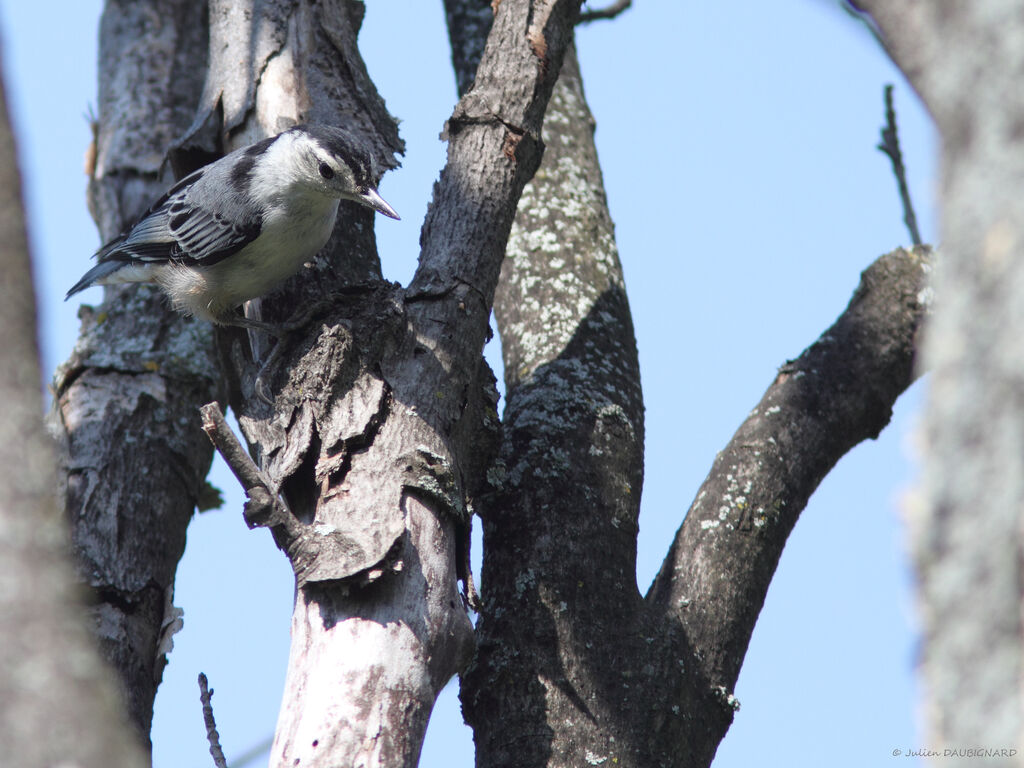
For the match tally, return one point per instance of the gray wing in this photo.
(198, 222)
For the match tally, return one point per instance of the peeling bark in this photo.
(382, 414)
(378, 445)
(133, 457)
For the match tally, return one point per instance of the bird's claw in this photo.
(261, 388)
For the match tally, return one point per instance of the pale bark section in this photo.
(346, 652)
(966, 60)
(359, 442)
(58, 700)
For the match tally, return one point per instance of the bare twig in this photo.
(224, 440)
(610, 12)
(309, 553)
(263, 506)
(891, 146)
(205, 696)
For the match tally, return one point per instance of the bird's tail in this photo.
(94, 275)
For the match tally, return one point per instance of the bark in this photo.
(382, 413)
(565, 648)
(965, 60)
(573, 667)
(58, 700)
(378, 443)
(469, 23)
(133, 457)
(839, 392)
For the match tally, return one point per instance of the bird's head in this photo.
(338, 164)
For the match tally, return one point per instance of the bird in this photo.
(236, 228)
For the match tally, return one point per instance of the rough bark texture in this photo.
(133, 457)
(383, 412)
(573, 667)
(469, 23)
(570, 671)
(966, 61)
(381, 432)
(58, 700)
(839, 392)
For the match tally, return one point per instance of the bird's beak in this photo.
(375, 201)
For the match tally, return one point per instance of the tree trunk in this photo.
(965, 61)
(380, 439)
(58, 701)
(565, 607)
(133, 456)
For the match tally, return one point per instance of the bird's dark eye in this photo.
(326, 171)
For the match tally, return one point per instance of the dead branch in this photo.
(890, 146)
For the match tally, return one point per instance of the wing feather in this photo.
(188, 225)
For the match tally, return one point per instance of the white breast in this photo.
(290, 237)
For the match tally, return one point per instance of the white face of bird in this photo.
(338, 167)
(332, 173)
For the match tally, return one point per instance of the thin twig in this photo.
(264, 507)
(206, 696)
(610, 12)
(224, 440)
(891, 146)
(856, 12)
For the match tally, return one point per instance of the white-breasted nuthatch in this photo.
(236, 228)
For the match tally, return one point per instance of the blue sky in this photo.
(737, 143)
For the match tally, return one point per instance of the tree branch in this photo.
(469, 23)
(592, 676)
(494, 147)
(891, 146)
(263, 506)
(376, 432)
(206, 697)
(609, 12)
(242, 467)
(839, 392)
